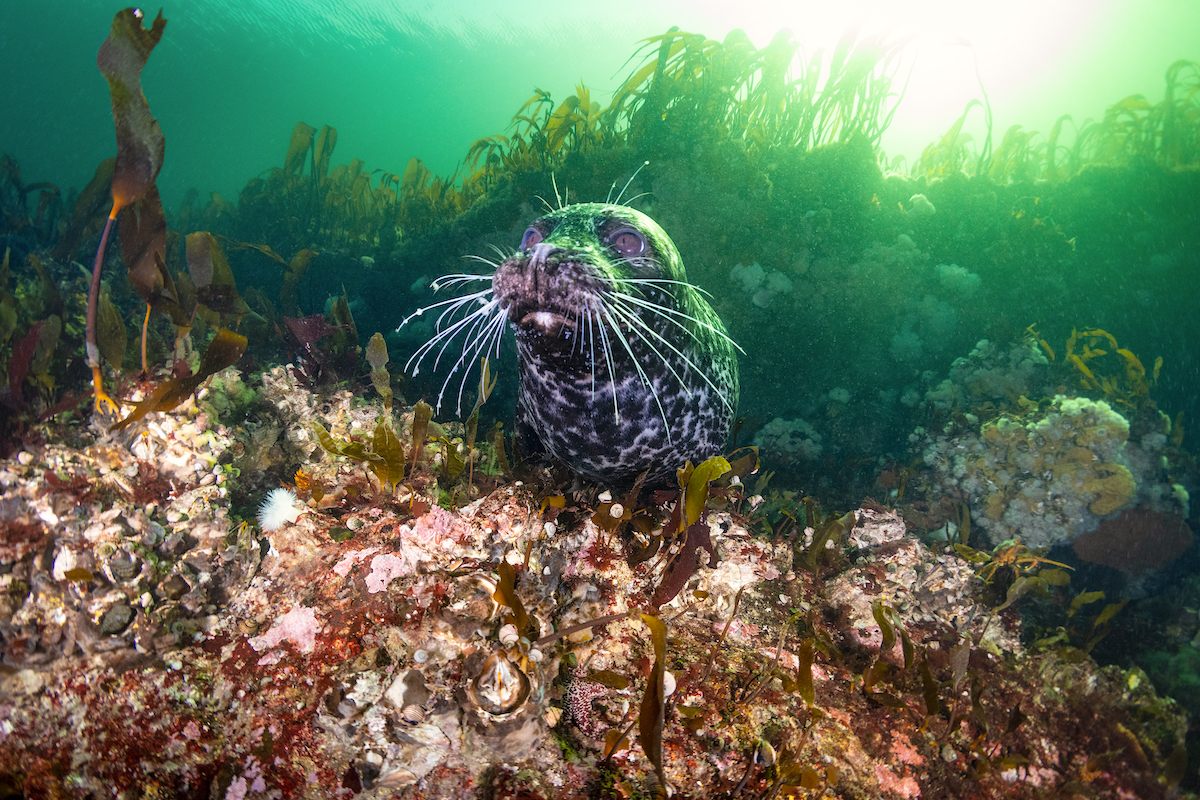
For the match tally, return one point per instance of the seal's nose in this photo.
(539, 253)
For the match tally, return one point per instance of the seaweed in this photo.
(377, 357)
(1132, 130)
(652, 712)
(212, 279)
(422, 414)
(506, 595)
(223, 351)
(1105, 367)
(695, 481)
(683, 566)
(388, 456)
(140, 147)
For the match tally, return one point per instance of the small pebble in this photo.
(175, 587)
(116, 619)
(123, 566)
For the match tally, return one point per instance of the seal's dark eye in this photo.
(532, 236)
(628, 242)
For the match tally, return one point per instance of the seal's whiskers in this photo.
(649, 384)
(457, 278)
(447, 333)
(591, 348)
(669, 314)
(625, 188)
(631, 319)
(480, 319)
(463, 299)
(491, 331)
(667, 281)
(612, 379)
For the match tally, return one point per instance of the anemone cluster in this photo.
(990, 374)
(789, 441)
(1052, 474)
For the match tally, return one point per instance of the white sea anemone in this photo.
(281, 507)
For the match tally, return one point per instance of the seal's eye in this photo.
(532, 236)
(627, 241)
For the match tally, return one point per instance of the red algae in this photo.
(388, 664)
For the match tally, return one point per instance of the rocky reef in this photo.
(526, 643)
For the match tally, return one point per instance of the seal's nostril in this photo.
(539, 253)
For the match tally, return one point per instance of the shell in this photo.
(501, 687)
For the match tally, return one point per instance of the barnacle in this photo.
(501, 687)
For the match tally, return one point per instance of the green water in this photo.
(402, 79)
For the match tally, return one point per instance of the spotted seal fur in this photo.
(624, 366)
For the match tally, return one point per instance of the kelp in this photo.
(140, 147)
(223, 351)
(377, 357)
(825, 530)
(309, 199)
(422, 414)
(111, 332)
(388, 464)
(694, 481)
(298, 148)
(688, 85)
(383, 454)
(295, 269)
(39, 223)
(143, 240)
(212, 278)
(506, 595)
(1104, 366)
(19, 363)
(140, 143)
(1132, 130)
(652, 712)
(683, 566)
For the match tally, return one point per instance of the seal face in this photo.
(625, 368)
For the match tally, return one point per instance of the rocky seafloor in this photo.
(377, 644)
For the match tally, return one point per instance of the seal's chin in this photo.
(545, 323)
(548, 332)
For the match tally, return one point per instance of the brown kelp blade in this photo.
(212, 275)
(87, 213)
(223, 351)
(140, 142)
(143, 238)
(298, 147)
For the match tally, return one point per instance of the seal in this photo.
(625, 368)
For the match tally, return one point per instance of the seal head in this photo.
(625, 368)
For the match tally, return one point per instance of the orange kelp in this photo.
(140, 147)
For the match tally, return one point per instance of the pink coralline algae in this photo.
(298, 626)
(384, 569)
